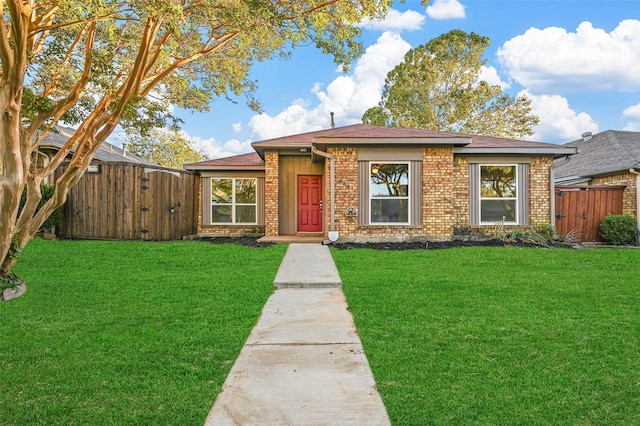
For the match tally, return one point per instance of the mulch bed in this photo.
(407, 245)
(245, 241)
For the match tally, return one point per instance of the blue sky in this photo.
(578, 60)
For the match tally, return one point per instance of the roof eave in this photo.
(201, 167)
(446, 141)
(261, 147)
(610, 171)
(555, 152)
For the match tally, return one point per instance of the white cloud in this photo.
(237, 127)
(490, 75)
(558, 122)
(446, 9)
(217, 149)
(348, 96)
(633, 115)
(589, 59)
(397, 21)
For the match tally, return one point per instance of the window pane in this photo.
(389, 180)
(389, 211)
(498, 181)
(221, 214)
(495, 210)
(221, 191)
(245, 191)
(245, 214)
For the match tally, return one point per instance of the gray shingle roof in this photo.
(363, 134)
(106, 153)
(607, 152)
(251, 161)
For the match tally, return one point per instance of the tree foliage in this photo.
(167, 148)
(103, 63)
(437, 86)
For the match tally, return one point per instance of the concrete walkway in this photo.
(303, 363)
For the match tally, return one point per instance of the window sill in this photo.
(390, 225)
(231, 224)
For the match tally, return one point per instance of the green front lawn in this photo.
(500, 335)
(127, 332)
(145, 333)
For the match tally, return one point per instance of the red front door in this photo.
(309, 203)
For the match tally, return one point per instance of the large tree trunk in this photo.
(14, 155)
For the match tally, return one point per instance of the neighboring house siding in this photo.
(629, 202)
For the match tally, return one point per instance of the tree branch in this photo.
(76, 92)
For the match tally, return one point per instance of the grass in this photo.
(500, 335)
(127, 332)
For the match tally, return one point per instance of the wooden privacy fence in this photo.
(124, 201)
(581, 209)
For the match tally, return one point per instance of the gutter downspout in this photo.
(635, 172)
(333, 234)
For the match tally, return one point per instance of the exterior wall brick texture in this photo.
(540, 191)
(629, 195)
(271, 199)
(461, 192)
(438, 193)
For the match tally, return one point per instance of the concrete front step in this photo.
(307, 266)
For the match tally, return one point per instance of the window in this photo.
(498, 194)
(233, 201)
(389, 192)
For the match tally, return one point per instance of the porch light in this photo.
(375, 169)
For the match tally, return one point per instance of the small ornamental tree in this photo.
(103, 63)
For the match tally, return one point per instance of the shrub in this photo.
(47, 192)
(618, 229)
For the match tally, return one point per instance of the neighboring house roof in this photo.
(363, 134)
(603, 153)
(106, 153)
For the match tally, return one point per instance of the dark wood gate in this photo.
(580, 209)
(124, 201)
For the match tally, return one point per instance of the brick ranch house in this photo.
(368, 183)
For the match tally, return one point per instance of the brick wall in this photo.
(229, 230)
(540, 191)
(271, 199)
(461, 192)
(437, 199)
(629, 200)
(346, 169)
(438, 193)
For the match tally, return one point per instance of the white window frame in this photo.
(407, 197)
(516, 198)
(233, 203)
